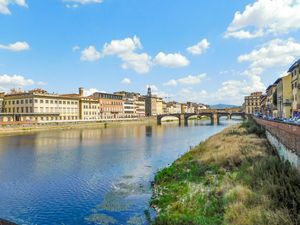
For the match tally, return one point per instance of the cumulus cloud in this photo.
(16, 47)
(199, 48)
(188, 94)
(120, 47)
(75, 48)
(265, 17)
(276, 52)
(171, 60)
(140, 63)
(5, 3)
(188, 80)
(126, 81)
(128, 50)
(14, 81)
(90, 91)
(90, 54)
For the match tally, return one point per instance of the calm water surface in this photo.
(89, 176)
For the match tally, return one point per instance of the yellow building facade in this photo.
(284, 96)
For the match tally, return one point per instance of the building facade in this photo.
(151, 104)
(39, 106)
(252, 103)
(111, 106)
(295, 81)
(1, 101)
(174, 107)
(284, 97)
(89, 109)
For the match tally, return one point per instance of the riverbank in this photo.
(24, 129)
(234, 177)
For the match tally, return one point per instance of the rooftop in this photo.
(296, 64)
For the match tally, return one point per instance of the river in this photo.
(90, 176)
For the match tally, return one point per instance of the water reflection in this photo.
(89, 176)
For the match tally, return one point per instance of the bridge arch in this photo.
(160, 117)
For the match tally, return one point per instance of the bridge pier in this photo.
(229, 116)
(215, 119)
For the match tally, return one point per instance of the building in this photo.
(252, 103)
(153, 104)
(111, 105)
(39, 106)
(191, 107)
(89, 109)
(159, 106)
(284, 96)
(294, 70)
(271, 101)
(1, 101)
(174, 107)
(140, 107)
(263, 104)
(134, 104)
(165, 108)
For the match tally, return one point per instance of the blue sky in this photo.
(204, 51)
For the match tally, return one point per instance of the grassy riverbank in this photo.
(232, 178)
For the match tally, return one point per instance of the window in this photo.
(41, 101)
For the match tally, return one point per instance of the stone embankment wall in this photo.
(285, 138)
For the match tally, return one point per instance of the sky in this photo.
(207, 51)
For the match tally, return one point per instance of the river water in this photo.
(90, 176)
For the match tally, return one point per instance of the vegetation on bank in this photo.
(232, 178)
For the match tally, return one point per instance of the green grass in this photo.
(232, 178)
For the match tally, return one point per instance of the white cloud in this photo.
(277, 52)
(16, 47)
(199, 48)
(90, 54)
(265, 17)
(75, 48)
(120, 47)
(188, 94)
(171, 83)
(188, 80)
(171, 60)
(153, 87)
(126, 50)
(140, 63)
(88, 92)
(5, 3)
(14, 81)
(76, 3)
(126, 81)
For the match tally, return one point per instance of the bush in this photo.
(280, 181)
(253, 128)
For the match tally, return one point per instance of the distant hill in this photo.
(223, 106)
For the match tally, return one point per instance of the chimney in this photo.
(81, 91)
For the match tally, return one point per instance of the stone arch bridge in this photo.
(213, 114)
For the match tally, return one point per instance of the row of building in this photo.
(40, 106)
(281, 99)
